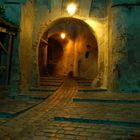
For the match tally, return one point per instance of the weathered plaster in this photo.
(98, 8)
(125, 54)
(26, 24)
(13, 13)
(131, 2)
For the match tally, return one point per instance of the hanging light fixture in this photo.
(63, 35)
(71, 9)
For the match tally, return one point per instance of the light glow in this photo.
(71, 8)
(63, 35)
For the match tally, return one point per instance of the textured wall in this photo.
(25, 48)
(114, 2)
(13, 13)
(22, 16)
(125, 46)
(74, 57)
(99, 8)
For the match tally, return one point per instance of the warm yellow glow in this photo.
(63, 35)
(97, 26)
(71, 8)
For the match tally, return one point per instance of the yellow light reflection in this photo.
(71, 8)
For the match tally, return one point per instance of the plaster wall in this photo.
(100, 27)
(74, 52)
(65, 64)
(86, 67)
(22, 16)
(26, 24)
(124, 46)
(114, 2)
(13, 14)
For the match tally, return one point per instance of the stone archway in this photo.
(80, 44)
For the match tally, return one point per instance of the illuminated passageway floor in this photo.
(69, 113)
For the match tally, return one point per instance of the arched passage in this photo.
(76, 53)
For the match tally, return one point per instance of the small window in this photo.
(86, 54)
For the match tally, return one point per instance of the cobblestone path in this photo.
(78, 112)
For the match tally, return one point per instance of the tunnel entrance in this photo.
(68, 45)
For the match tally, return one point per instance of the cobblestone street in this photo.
(72, 110)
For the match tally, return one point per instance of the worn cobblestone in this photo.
(39, 138)
(39, 123)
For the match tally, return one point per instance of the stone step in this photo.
(50, 83)
(99, 121)
(114, 101)
(42, 90)
(91, 89)
(106, 111)
(107, 96)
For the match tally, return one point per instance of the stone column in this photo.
(124, 54)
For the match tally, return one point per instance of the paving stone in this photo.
(81, 138)
(55, 138)
(50, 134)
(38, 123)
(69, 128)
(75, 133)
(39, 133)
(59, 135)
(39, 138)
(80, 129)
(69, 136)
(49, 130)
(85, 134)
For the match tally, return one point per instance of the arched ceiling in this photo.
(70, 25)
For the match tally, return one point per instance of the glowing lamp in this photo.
(63, 35)
(71, 8)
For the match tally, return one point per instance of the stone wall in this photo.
(124, 46)
(13, 14)
(25, 48)
(20, 13)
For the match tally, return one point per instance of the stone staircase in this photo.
(70, 114)
(11, 107)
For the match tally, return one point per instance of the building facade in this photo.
(102, 42)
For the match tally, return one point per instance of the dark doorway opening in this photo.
(55, 52)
